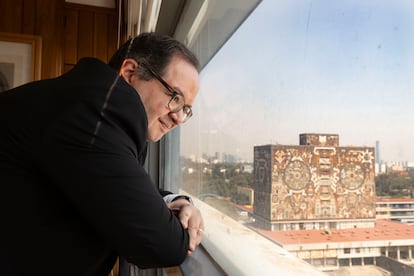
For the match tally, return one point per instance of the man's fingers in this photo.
(191, 219)
(193, 238)
(184, 217)
(196, 235)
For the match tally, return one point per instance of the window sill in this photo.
(235, 249)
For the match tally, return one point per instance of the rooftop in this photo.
(387, 200)
(384, 230)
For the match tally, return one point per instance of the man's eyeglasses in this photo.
(177, 101)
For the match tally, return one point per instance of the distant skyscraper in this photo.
(377, 152)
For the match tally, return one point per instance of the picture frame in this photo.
(20, 59)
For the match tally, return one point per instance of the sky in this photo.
(300, 66)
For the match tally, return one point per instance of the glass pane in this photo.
(340, 70)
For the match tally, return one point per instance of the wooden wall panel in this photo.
(11, 14)
(28, 17)
(49, 23)
(100, 35)
(85, 32)
(89, 32)
(112, 35)
(71, 37)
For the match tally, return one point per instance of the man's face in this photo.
(182, 77)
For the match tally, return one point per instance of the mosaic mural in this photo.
(314, 182)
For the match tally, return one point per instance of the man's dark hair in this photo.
(155, 50)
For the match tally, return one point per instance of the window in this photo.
(332, 67)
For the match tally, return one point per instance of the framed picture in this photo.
(20, 59)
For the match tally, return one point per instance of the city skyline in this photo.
(302, 66)
(223, 156)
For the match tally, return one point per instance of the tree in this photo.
(394, 185)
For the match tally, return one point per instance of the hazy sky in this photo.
(299, 66)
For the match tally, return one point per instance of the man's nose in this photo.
(177, 117)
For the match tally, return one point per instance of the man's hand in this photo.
(191, 219)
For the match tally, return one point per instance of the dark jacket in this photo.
(74, 194)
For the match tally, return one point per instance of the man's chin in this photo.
(154, 137)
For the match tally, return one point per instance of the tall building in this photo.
(314, 185)
(377, 152)
(396, 209)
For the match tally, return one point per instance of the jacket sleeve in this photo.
(111, 191)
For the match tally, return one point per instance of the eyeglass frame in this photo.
(172, 92)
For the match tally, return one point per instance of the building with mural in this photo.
(314, 185)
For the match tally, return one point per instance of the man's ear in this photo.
(128, 69)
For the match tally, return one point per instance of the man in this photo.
(74, 193)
